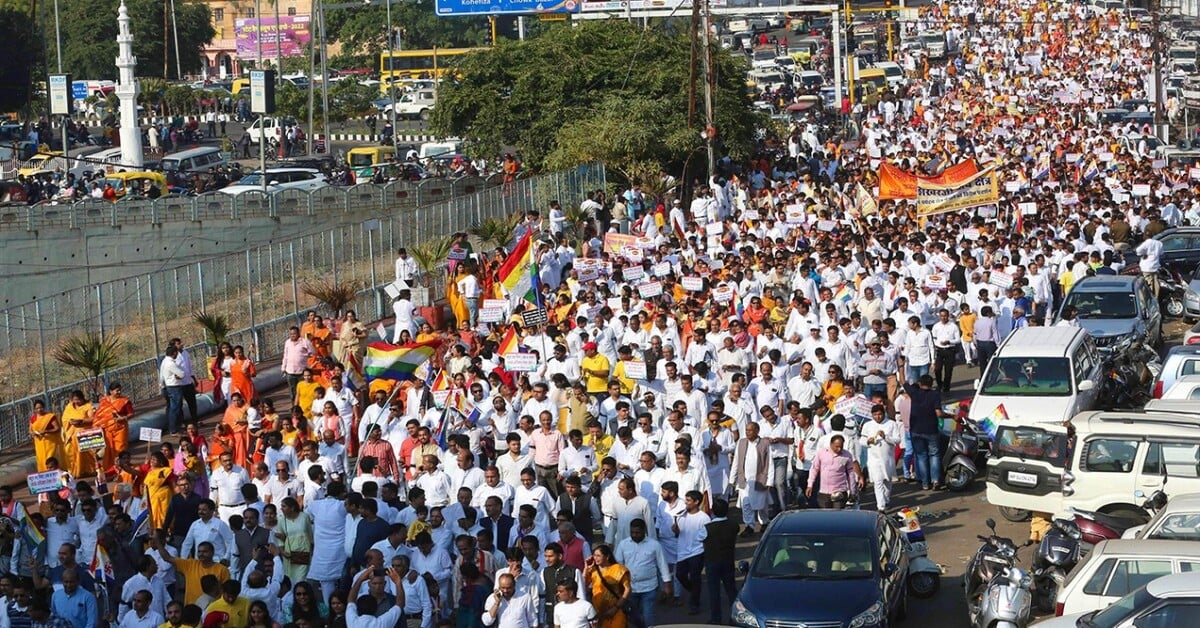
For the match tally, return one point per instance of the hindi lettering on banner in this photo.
(862, 407)
(942, 262)
(1000, 280)
(970, 234)
(491, 314)
(45, 482)
(150, 435)
(722, 294)
(650, 289)
(661, 269)
(457, 254)
(493, 303)
(90, 440)
(533, 318)
(692, 284)
(635, 369)
(826, 225)
(1067, 198)
(633, 273)
(587, 274)
(980, 189)
(935, 282)
(520, 362)
(614, 242)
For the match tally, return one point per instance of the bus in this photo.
(417, 64)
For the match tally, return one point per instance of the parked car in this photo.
(1179, 520)
(1113, 308)
(278, 180)
(1115, 568)
(1168, 601)
(1181, 361)
(851, 566)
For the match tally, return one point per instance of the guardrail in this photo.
(364, 197)
(260, 289)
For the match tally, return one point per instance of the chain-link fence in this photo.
(260, 290)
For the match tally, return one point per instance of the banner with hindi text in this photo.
(980, 189)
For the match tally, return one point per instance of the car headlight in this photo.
(1191, 297)
(873, 616)
(742, 616)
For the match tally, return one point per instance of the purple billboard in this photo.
(290, 35)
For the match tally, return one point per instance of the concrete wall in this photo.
(37, 264)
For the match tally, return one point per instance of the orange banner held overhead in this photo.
(895, 183)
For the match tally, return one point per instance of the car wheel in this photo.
(1015, 515)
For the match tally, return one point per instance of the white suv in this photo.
(415, 104)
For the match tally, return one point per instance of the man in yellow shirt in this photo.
(193, 569)
(624, 355)
(232, 604)
(596, 369)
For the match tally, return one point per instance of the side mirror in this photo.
(1086, 385)
(991, 524)
(975, 384)
(743, 567)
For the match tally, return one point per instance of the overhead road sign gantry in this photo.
(448, 8)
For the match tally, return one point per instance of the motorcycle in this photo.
(1171, 288)
(924, 575)
(965, 454)
(999, 594)
(1129, 369)
(1097, 526)
(1057, 554)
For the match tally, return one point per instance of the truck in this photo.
(934, 43)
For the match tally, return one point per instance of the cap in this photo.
(215, 619)
(589, 346)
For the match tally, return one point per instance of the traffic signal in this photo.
(887, 4)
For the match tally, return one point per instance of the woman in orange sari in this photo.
(610, 585)
(222, 441)
(76, 417)
(112, 415)
(237, 419)
(46, 431)
(157, 488)
(241, 375)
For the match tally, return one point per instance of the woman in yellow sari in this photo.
(77, 416)
(46, 431)
(834, 387)
(157, 488)
(458, 305)
(306, 393)
(610, 585)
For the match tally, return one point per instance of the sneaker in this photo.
(926, 487)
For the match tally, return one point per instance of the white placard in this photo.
(1105, 156)
(1071, 157)
(692, 284)
(520, 362)
(1140, 189)
(714, 228)
(970, 234)
(494, 303)
(1027, 209)
(795, 217)
(635, 369)
(750, 214)
(1120, 197)
(1013, 186)
(645, 243)
(633, 273)
(491, 314)
(1194, 174)
(1067, 198)
(826, 225)
(661, 269)
(942, 262)
(150, 435)
(722, 294)
(632, 253)
(650, 289)
(935, 282)
(588, 274)
(1000, 280)
(1158, 164)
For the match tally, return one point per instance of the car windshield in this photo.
(1178, 526)
(1119, 612)
(814, 557)
(1032, 377)
(1032, 444)
(1103, 305)
(251, 179)
(764, 55)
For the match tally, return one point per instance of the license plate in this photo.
(1024, 479)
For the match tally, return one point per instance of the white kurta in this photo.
(881, 459)
(329, 536)
(718, 464)
(748, 469)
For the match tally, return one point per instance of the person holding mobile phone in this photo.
(504, 607)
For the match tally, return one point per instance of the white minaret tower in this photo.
(127, 92)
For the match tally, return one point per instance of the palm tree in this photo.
(91, 354)
(216, 327)
(335, 296)
(429, 255)
(494, 233)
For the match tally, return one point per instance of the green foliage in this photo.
(348, 99)
(22, 53)
(89, 32)
(334, 296)
(495, 232)
(364, 31)
(90, 354)
(597, 90)
(216, 327)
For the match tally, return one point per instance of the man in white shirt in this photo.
(226, 483)
(1149, 261)
(505, 609)
(690, 532)
(918, 350)
(946, 339)
(437, 485)
(210, 529)
(468, 287)
(406, 266)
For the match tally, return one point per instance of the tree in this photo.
(89, 35)
(624, 99)
(22, 53)
(90, 354)
(364, 30)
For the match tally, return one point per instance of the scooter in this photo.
(1007, 602)
(924, 575)
(1171, 287)
(965, 454)
(1057, 554)
(996, 554)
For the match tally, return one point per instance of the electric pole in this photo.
(709, 78)
(692, 70)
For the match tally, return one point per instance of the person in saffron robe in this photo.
(46, 431)
(112, 415)
(353, 337)
(238, 418)
(242, 374)
(158, 488)
(76, 417)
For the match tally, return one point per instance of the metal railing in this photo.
(260, 290)
(216, 206)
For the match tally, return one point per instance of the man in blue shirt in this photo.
(73, 603)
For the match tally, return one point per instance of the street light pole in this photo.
(175, 32)
(258, 34)
(391, 77)
(57, 38)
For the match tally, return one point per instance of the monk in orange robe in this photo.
(112, 415)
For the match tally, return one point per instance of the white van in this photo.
(194, 160)
(1040, 374)
(1109, 462)
(107, 161)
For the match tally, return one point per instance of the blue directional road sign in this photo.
(449, 8)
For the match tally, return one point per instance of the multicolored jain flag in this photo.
(991, 423)
(398, 362)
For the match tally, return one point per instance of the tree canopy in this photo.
(593, 91)
(89, 35)
(22, 55)
(363, 31)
